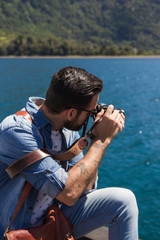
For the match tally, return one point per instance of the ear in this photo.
(71, 113)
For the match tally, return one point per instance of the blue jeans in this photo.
(115, 207)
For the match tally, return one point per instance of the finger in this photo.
(119, 120)
(99, 115)
(122, 115)
(116, 114)
(120, 128)
(110, 110)
(122, 122)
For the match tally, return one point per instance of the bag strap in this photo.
(25, 161)
(34, 156)
(26, 189)
(28, 116)
(24, 114)
(38, 154)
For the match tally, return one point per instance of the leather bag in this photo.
(57, 227)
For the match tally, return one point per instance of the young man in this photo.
(72, 96)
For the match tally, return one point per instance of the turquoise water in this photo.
(133, 158)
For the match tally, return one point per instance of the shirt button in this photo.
(30, 208)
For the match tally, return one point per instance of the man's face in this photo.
(77, 123)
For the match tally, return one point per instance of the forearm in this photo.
(82, 174)
(91, 185)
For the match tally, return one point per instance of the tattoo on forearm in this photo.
(96, 163)
(83, 168)
(100, 147)
(79, 186)
(85, 172)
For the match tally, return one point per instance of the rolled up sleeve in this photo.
(55, 183)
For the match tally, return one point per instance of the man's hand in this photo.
(110, 123)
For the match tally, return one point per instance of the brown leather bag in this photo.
(56, 227)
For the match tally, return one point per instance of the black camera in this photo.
(103, 106)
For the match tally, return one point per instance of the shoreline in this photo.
(76, 57)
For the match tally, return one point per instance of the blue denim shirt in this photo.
(18, 136)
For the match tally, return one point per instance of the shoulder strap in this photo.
(26, 189)
(24, 114)
(38, 154)
(25, 161)
(28, 116)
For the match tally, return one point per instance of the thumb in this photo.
(99, 115)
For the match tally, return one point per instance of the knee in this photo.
(129, 202)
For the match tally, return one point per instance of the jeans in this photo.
(115, 207)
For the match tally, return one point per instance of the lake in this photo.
(133, 84)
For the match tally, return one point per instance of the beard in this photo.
(72, 125)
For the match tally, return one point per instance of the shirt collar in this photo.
(38, 117)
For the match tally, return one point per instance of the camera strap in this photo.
(89, 132)
(85, 127)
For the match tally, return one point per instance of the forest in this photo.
(79, 27)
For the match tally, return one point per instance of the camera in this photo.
(103, 106)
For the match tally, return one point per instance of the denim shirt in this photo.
(19, 136)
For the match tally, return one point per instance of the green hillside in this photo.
(62, 27)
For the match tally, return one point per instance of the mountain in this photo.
(121, 24)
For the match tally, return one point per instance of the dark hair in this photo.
(72, 87)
